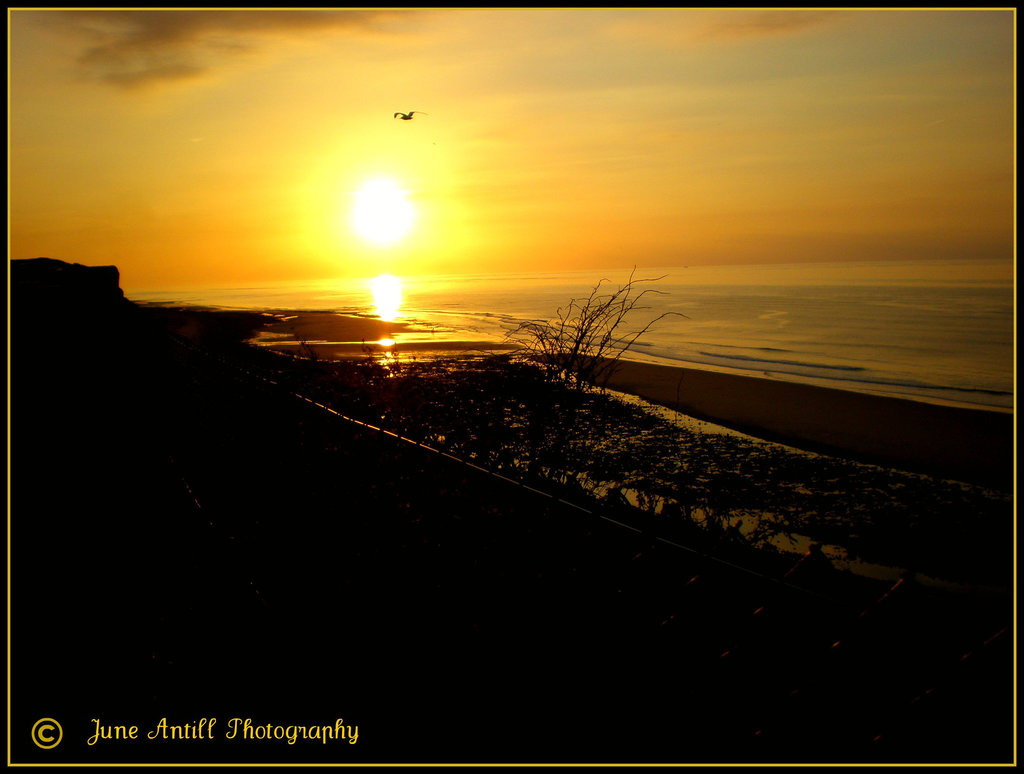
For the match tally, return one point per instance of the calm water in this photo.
(939, 331)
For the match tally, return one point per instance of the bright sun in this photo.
(383, 214)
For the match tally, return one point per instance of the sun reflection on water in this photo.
(387, 296)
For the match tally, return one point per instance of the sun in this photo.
(382, 214)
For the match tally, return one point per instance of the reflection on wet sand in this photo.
(335, 336)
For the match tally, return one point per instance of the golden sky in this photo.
(228, 147)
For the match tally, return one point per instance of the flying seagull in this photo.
(408, 116)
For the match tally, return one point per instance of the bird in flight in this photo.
(408, 116)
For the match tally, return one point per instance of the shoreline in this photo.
(336, 336)
(969, 444)
(975, 445)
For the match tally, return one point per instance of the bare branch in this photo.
(583, 347)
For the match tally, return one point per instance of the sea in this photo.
(939, 331)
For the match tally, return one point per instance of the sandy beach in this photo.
(973, 444)
(961, 443)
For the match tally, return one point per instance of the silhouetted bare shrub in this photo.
(583, 345)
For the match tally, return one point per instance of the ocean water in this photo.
(938, 331)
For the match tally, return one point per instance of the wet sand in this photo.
(331, 327)
(971, 444)
(334, 336)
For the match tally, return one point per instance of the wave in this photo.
(657, 345)
(766, 361)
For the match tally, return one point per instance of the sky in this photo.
(195, 148)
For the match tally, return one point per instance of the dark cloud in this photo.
(760, 23)
(136, 48)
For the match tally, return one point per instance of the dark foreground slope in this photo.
(189, 542)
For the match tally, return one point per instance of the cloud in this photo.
(735, 24)
(138, 48)
(696, 27)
